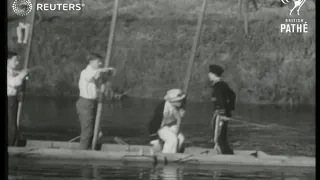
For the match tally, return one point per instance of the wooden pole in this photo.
(26, 61)
(106, 64)
(194, 46)
(244, 4)
(193, 52)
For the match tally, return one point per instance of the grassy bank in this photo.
(152, 47)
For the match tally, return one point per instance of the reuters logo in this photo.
(22, 7)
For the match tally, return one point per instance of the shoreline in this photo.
(159, 99)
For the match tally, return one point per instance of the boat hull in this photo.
(116, 152)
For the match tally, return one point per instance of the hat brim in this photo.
(177, 98)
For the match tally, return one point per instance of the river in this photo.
(287, 132)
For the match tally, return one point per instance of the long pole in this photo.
(106, 64)
(194, 46)
(194, 51)
(26, 60)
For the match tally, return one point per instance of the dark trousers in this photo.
(223, 137)
(86, 109)
(12, 119)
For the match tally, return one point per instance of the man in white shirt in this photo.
(15, 80)
(87, 103)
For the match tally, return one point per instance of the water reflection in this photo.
(56, 119)
(85, 170)
(171, 173)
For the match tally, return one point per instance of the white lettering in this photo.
(294, 28)
(65, 7)
(78, 7)
(52, 7)
(305, 27)
(294, 20)
(288, 28)
(71, 7)
(59, 6)
(46, 7)
(299, 28)
(282, 27)
(39, 6)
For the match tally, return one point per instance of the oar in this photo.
(106, 64)
(25, 66)
(194, 47)
(120, 141)
(241, 120)
(244, 122)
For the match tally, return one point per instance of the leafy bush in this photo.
(151, 54)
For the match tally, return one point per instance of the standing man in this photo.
(223, 99)
(15, 80)
(90, 78)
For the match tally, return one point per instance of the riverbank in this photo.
(152, 47)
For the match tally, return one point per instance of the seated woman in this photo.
(166, 121)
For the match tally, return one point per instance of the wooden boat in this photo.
(144, 153)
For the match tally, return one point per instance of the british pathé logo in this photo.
(297, 5)
(22, 7)
(294, 25)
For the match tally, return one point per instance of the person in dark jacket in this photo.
(223, 99)
(166, 121)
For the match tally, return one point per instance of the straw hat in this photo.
(174, 95)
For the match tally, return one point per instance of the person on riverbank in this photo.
(15, 80)
(223, 98)
(90, 78)
(166, 121)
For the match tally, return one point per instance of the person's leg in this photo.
(170, 140)
(179, 136)
(12, 120)
(85, 110)
(223, 139)
(181, 141)
(213, 126)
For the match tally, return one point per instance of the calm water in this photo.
(56, 119)
(60, 170)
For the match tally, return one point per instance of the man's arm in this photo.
(232, 99)
(95, 74)
(17, 80)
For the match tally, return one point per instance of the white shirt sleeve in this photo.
(89, 75)
(14, 81)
